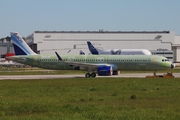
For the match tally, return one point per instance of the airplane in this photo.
(94, 64)
(96, 51)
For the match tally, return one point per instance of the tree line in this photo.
(8, 39)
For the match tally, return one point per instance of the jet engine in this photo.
(105, 70)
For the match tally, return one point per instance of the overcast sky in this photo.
(26, 16)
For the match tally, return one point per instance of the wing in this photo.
(87, 66)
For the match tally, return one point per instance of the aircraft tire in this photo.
(93, 74)
(87, 75)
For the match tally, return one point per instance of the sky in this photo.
(26, 16)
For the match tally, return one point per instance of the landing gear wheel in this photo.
(93, 74)
(87, 75)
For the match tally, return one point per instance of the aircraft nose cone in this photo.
(172, 66)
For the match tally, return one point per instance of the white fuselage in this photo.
(125, 52)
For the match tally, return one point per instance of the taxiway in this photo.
(21, 77)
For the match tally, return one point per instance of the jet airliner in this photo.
(96, 51)
(94, 64)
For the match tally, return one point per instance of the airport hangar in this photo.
(163, 43)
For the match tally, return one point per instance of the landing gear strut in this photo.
(88, 75)
(115, 72)
(155, 73)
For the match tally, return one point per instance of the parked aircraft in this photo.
(100, 64)
(96, 51)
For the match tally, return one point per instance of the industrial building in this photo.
(164, 43)
(5, 47)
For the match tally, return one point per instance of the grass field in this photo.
(87, 99)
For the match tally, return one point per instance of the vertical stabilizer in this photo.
(20, 46)
(81, 52)
(92, 49)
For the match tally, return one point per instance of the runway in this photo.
(130, 75)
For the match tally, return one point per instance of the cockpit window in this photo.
(164, 60)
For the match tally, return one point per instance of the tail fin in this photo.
(92, 49)
(81, 52)
(20, 46)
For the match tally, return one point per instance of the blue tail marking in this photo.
(92, 49)
(18, 51)
(20, 46)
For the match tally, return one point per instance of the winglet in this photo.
(59, 58)
(92, 49)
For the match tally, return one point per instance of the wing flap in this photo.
(87, 66)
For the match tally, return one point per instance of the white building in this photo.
(5, 47)
(71, 42)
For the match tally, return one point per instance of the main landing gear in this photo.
(88, 75)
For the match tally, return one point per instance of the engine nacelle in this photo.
(104, 70)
